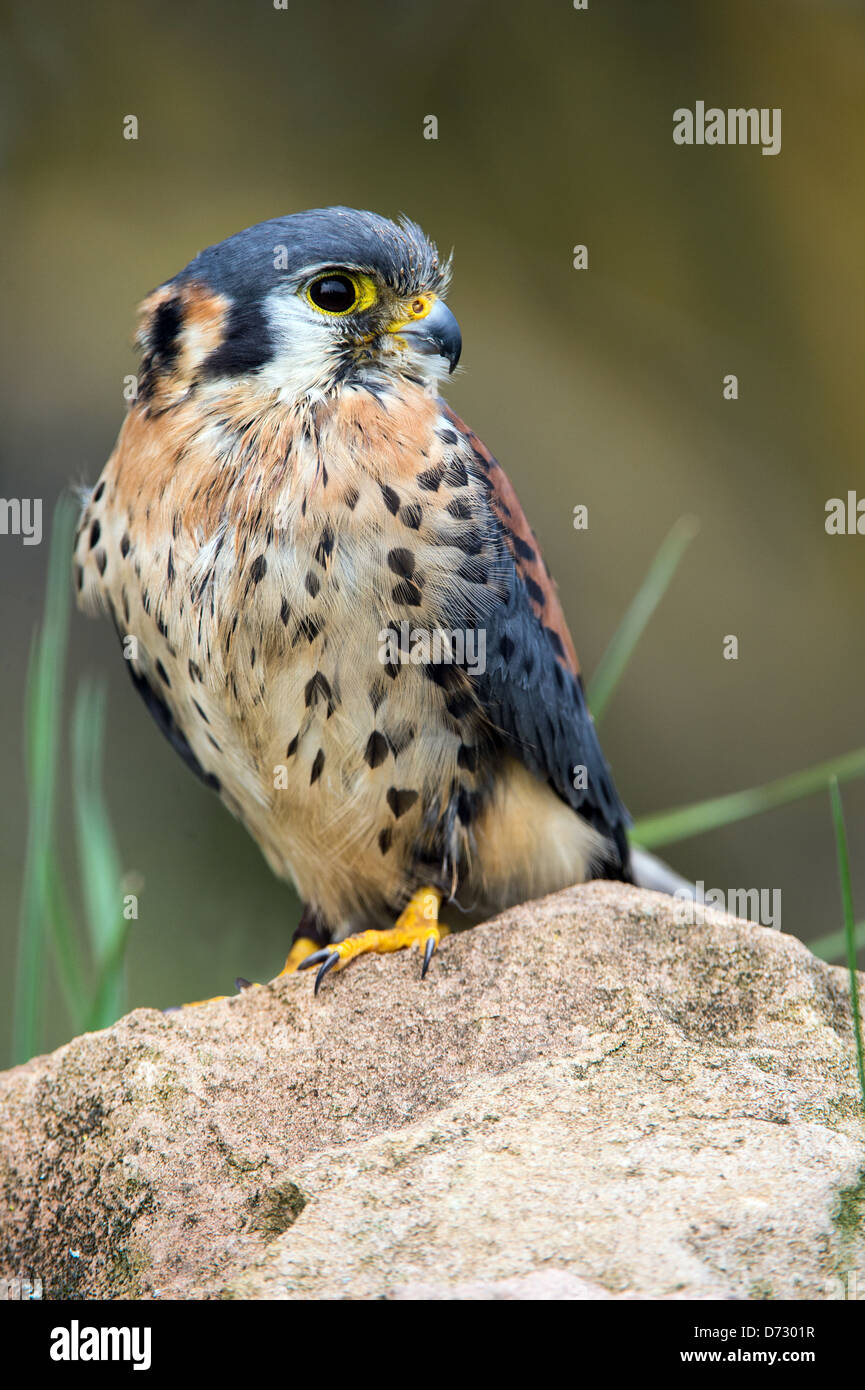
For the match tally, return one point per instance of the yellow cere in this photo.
(418, 308)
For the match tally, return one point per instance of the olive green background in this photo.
(601, 387)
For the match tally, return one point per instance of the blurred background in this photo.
(600, 387)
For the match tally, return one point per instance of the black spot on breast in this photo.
(455, 474)
(95, 533)
(401, 799)
(506, 647)
(79, 579)
(400, 739)
(292, 747)
(307, 627)
(459, 509)
(352, 497)
(384, 839)
(258, 569)
(317, 765)
(318, 688)
(194, 670)
(97, 495)
(430, 479)
(162, 673)
(325, 545)
(376, 695)
(284, 612)
(407, 591)
(391, 670)
(391, 498)
(411, 515)
(312, 584)
(376, 749)
(124, 545)
(442, 673)
(201, 711)
(401, 561)
(471, 542)
(101, 560)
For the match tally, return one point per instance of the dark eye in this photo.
(334, 294)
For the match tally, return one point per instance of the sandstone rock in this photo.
(585, 1099)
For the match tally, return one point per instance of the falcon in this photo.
(329, 597)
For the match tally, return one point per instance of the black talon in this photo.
(315, 958)
(328, 965)
(429, 951)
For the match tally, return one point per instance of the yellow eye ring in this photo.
(339, 293)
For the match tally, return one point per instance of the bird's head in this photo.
(300, 305)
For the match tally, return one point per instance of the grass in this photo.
(89, 963)
(89, 960)
(849, 927)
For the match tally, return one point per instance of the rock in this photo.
(585, 1099)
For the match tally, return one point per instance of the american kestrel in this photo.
(330, 598)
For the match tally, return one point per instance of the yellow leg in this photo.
(417, 925)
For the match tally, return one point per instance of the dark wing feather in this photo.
(170, 728)
(531, 688)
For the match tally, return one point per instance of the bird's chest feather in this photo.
(296, 600)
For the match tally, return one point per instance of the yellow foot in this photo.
(417, 924)
(301, 949)
(197, 1003)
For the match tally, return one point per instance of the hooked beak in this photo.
(436, 332)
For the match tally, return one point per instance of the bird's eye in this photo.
(334, 293)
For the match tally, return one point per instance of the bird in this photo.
(329, 597)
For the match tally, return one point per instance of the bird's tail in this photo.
(651, 872)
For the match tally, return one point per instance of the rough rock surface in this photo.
(585, 1099)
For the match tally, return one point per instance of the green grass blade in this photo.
(44, 706)
(666, 827)
(99, 863)
(849, 928)
(71, 969)
(632, 626)
(109, 999)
